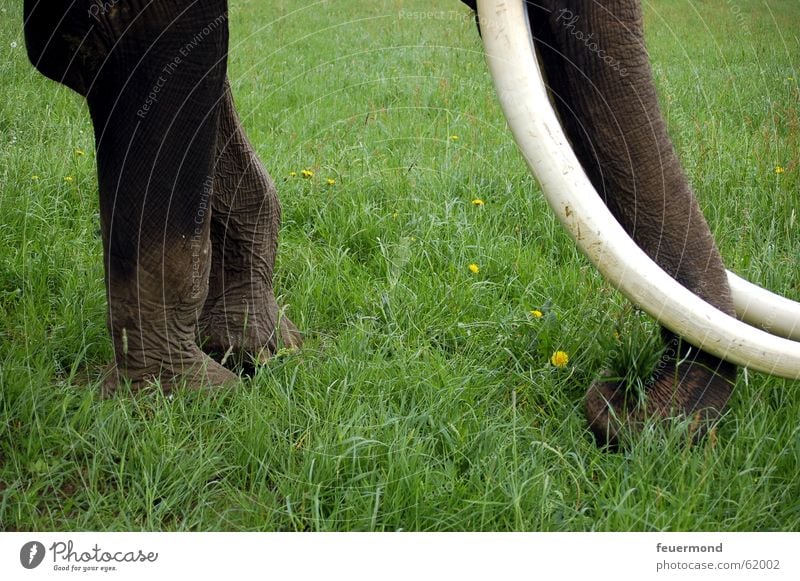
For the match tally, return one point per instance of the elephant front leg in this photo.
(154, 102)
(241, 318)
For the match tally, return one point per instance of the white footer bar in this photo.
(387, 556)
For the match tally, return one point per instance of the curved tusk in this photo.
(761, 308)
(538, 133)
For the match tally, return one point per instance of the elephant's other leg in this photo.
(154, 104)
(241, 316)
(598, 71)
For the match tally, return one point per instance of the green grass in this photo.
(424, 398)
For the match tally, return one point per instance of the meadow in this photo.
(424, 398)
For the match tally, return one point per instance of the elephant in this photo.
(190, 216)
(183, 267)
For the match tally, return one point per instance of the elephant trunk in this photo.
(599, 76)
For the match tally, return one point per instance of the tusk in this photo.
(523, 97)
(762, 308)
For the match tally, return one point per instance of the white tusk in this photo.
(762, 308)
(538, 133)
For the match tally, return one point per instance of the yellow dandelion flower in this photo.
(454, 138)
(477, 202)
(537, 314)
(779, 169)
(79, 152)
(395, 215)
(474, 268)
(330, 181)
(35, 178)
(307, 173)
(559, 359)
(292, 174)
(69, 179)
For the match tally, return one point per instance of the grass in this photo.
(424, 398)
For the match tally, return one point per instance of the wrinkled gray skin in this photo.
(190, 217)
(598, 72)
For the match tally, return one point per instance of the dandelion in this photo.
(779, 169)
(79, 152)
(292, 174)
(69, 179)
(537, 314)
(330, 181)
(35, 178)
(454, 138)
(13, 44)
(474, 268)
(559, 359)
(395, 215)
(477, 202)
(307, 173)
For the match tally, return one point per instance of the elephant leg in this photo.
(241, 316)
(597, 68)
(153, 75)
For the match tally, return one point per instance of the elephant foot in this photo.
(236, 333)
(191, 369)
(696, 389)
